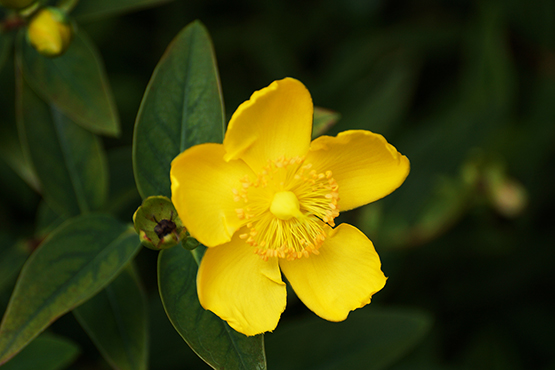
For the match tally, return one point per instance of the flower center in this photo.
(286, 207)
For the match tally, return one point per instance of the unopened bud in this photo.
(510, 198)
(49, 32)
(157, 223)
(16, 4)
(507, 195)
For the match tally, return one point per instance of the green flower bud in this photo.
(158, 225)
(49, 32)
(16, 4)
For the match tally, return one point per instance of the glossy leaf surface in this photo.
(74, 263)
(74, 82)
(369, 339)
(182, 106)
(46, 352)
(210, 337)
(68, 160)
(116, 321)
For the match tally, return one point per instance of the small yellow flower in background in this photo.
(264, 203)
(49, 32)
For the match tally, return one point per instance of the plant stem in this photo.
(67, 6)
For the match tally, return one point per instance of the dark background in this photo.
(465, 89)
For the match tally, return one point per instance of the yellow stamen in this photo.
(286, 208)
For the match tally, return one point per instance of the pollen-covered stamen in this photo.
(291, 239)
(318, 194)
(285, 208)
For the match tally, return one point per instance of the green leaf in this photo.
(11, 151)
(47, 220)
(323, 120)
(182, 107)
(12, 258)
(75, 83)
(210, 337)
(381, 95)
(116, 321)
(370, 339)
(73, 264)
(6, 40)
(18, 193)
(123, 197)
(47, 352)
(92, 9)
(68, 160)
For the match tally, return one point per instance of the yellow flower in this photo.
(264, 203)
(49, 33)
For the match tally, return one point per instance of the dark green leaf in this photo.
(47, 352)
(47, 220)
(73, 264)
(20, 195)
(5, 44)
(167, 348)
(116, 321)
(210, 337)
(369, 339)
(11, 152)
(489, 79)
(123, 197)
(92, 9)
(68, 160)
(182, 107)
(75, 83)
(381, 95)
(12, 258)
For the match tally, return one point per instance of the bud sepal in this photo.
(158, 225)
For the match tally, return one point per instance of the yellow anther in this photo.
(285, 208)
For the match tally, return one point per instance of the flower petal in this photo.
(202, 186)
(341, 278)
(365, 166)
(275, 122)
(241, 288)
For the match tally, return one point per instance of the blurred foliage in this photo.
(464, 89)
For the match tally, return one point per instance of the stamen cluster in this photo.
(298, 236)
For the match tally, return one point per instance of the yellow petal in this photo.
(365, 166)
(241, 288)
(276, 122)
(343, 277)
(202, 186)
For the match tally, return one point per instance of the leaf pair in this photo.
(61, 104)
(73, 264)
(75, 83)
